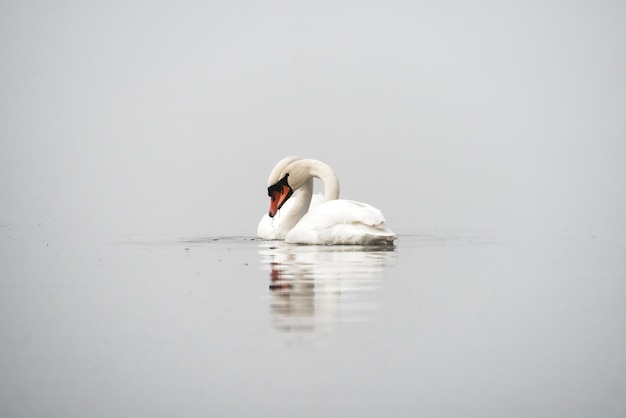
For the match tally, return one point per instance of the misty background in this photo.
(147, 116)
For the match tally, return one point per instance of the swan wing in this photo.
(341, 222)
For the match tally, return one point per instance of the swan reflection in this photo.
(314, 287)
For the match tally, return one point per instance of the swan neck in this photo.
(302, 201)
(328, 177)
(304, 196)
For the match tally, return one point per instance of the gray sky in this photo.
(168, 116)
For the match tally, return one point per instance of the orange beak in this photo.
(279, 193)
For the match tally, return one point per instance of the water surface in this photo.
(442, 324)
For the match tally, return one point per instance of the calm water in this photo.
(442, 325)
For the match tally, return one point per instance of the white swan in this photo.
(296, 217)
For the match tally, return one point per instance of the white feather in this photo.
(328, 220)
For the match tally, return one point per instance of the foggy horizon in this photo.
(153, 117)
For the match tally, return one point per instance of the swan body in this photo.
(298, 217)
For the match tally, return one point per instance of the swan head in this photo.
(279, 193)
(278, 188)
(292, 173)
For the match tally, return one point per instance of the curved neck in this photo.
(301, 174)
(322, 171)
(300, 206)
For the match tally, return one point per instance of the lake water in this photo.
(444, 324)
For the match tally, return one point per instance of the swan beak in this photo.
(278, 199)
(279, 193)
